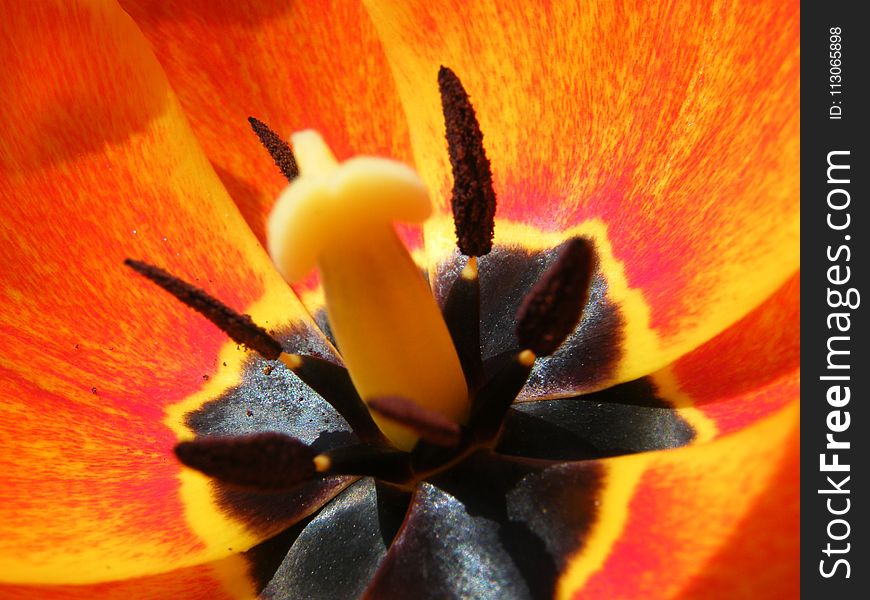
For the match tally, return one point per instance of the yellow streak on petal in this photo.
(234, 576)
(706, 475)
(643, 354)
(613, 511)
(218, 530)
(669, 389)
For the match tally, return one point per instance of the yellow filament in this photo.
(313, 156)
(387, 325)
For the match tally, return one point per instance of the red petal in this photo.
(698, 521)
(226, 579)
(745, 373)
(97, 164)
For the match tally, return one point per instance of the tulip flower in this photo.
(653, 454)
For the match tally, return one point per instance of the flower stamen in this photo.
(241, 328)
(262, 461)
(473, 199)
(278, 149)
(410, 367)
(495, 397)
(462, 315)
(333, 383)
(551, 311)
(386, 464)
(547, 316)
(328, 379)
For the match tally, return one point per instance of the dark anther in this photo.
(473, 194)
(280, 150)
(386, 464)
(551, 311)
(241, 328)
(263, 461)
(329, 380)
(431, 426)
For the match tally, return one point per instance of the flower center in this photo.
(416, 391)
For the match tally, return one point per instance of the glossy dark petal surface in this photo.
(624, 419)
(275, 399)
(336, 553)
(492, 527)
(507, 274)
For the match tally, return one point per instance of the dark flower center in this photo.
(274, 461)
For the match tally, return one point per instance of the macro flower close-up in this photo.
(490, 300)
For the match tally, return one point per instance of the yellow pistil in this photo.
(386, 323)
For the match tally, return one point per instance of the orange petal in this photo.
(669, 131)
(698, 521)
(226, 579)
(293, 65)
(97, 164)
(745, 373)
